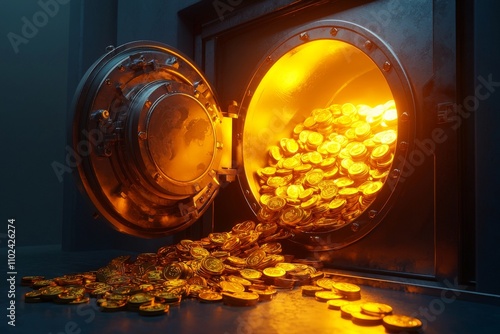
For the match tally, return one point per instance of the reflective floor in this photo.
(288, 312)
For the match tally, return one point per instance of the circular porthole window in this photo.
(327, 122)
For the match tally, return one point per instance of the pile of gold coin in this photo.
(346, 298)
(330, 169)
(239, 268)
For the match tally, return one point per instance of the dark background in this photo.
(36, 88)
(37, 84)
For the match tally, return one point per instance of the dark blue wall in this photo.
(45, 48)
(487, 124)
(33, 90)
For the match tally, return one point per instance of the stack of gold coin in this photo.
(138, 299)
(363, 319)
(211, 266)
(240, 298)
(50, 293)
(210, 297)
(310, 290)
(336, 304)
(377, 309)
(346, 144)
(347, 310)
(401, 323)
(71, 294)
(324, 296)
(29, 280)
(153, 309)
(34, 296)
(348, 290)
(231, 287)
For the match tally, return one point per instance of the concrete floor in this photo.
(289, 312)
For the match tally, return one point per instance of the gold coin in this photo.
(275, 181)
(358, 170)
(344, 121)
(310, 203)
(314, 139)
(303, 136)
(323, 116)
(172, 271)
(218, 238)
(280, 192)
(199, 252)
(328, 163)
(341, 139)
(240, 298)
(292, 215)
(310, 290)
(372, 189)
(377, 309)
(348, 109)
(153, 310)
(209, 296)
(294, 190)
(401, 323)
(231, 287)
(358, 151)
(213, 265)
(346, 287)
(167, 297)
(239, 280)
(333, 147)
(309, 122)
(324, 296)
(266, 228)
(360, 318)
(380, 152)
(276, 203)
(250, 274)
(291, 163)
(231, 244)
(348, 192)
(255, 258)
(337, 204)
(113, 306)
(275, 153)
(140, 298)
(390, 116)
(283, 172)
(274, 272)
(387, 137)
(302, 168)
(268, 171)
(362, 130)
(298, 129)
(291, 146)
(325, 283)
(347, 310)
(306, 194)
(51, 292)
(314, 177)
(287, 266)
(336, 304)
